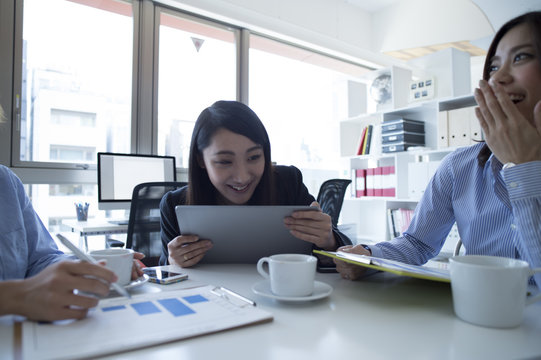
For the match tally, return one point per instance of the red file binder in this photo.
(360, 182)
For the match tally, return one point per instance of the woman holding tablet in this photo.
(230, 164)
(492, 189)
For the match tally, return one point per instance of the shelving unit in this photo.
(370, 213)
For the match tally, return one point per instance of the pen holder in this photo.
(82, 211)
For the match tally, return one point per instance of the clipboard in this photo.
(119, 324)
(392, 266)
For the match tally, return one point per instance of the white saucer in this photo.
(137, 282)
(321, 290)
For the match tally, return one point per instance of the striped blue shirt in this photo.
(498, 212)
(26, 247)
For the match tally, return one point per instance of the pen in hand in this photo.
(85, 257)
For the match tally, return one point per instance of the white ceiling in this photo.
(499, 11)
(496, 11)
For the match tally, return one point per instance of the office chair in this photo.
(144, 222)
(331, 197)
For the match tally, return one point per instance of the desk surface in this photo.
(382, 317)
(95, 227)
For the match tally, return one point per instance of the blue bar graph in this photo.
(172, 305)
(145, 308)
(194, 299)
(113, 308)
(176, 307)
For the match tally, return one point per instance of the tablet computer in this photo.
(242, 233)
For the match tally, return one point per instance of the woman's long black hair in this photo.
(240, 119)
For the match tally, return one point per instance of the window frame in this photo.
(144, 121)
(15, 158)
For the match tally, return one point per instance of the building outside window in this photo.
(197, 66)
(78, 81)
(297, 94)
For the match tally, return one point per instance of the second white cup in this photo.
(290, 275)
(489, 290)
(120, 261)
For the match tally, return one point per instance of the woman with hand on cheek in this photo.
(493, 189)
(230, 164)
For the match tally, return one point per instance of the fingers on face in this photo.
(506, 106)
(482, 96)
(494, 102)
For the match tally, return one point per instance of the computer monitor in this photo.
(118, 174)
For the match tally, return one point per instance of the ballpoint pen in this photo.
(232, 293)
(85, 257)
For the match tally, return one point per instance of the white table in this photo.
(382, 317)
(94, 227)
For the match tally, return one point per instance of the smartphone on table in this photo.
(159, 276)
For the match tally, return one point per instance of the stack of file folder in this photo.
(401, 134)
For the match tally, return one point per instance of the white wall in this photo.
(322, 24)
(350, 31)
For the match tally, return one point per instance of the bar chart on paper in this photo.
(121, 324)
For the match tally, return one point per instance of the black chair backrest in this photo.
(144, 222)
(331, 197)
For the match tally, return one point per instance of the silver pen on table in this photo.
(85, 257)
(238, 296)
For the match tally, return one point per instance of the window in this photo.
(197, 66)
(296, 94)
(76, 78)
(54, 202)
(72, 153)
(73, 118)
(106, 76)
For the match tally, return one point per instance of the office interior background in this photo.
(79, 77)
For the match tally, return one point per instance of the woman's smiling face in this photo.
(515, 66)
(234, 164)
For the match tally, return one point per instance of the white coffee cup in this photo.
(120, 261)
(291, 275)
(489, 290)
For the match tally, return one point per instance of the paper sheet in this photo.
(121, 324)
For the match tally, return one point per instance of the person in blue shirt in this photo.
(230, 164)
(492, 189)
(37, 280)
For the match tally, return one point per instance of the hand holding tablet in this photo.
(242, 234)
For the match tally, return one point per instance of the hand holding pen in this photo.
(50, 295)
(85, 257)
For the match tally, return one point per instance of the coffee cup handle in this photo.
(536, 298)
(260, 268)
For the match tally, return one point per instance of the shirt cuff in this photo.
(376, 251)
(522, 180)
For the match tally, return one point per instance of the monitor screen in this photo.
(118, 174)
